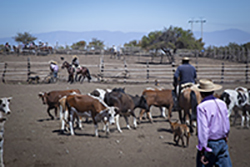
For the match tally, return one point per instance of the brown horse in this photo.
(83, 72)
(48, 49)
(188, 99)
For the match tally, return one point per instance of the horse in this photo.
(188, 99)
(70, 69)
(84, 72)
(48, 49)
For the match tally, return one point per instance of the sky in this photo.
(33, 16)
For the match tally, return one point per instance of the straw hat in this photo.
(75, 56)
(52, 61)
(206, 85)
(185, 59)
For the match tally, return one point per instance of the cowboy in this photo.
(54, 68)
(185, 73)
(213, 127)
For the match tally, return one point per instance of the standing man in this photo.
(213, 127)
(53, 68)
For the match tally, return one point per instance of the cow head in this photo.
(4, 104)
(43, 96)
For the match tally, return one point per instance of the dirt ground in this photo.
(33, 140)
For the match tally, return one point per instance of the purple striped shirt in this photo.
(212, 121)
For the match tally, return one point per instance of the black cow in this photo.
(126, 104)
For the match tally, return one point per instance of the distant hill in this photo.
(224, 37)
(215, 38)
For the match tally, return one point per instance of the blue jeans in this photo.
(218, 157)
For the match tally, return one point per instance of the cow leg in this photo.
(236, 115)
(247, 115)
(163, 109)
(141, 114)
(96, 130)
(126, 119)
(134, 121)
(48, 111)
(117, 123)
(56, 112)
(170, 111)
(71, 123)
(107, 128)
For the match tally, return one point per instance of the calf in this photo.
(180, 130)
(4, 105)
(52, 99)
(126, 104)
(82, 104)
(161, 98)
(235, 99)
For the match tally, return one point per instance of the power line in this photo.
(197, 21)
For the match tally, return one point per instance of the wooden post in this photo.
(222, 73)
(28, 67)
(101, 67)
(126, 71)
(5, 67)
(147, 72)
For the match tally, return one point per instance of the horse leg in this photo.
(180, 115)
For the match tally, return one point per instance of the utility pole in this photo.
(197, 21)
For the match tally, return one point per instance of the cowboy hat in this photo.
(52, 61)
(206, 85)
(185, 59)
(75, 56)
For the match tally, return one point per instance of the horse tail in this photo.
(194, 104)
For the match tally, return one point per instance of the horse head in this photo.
(65, 65)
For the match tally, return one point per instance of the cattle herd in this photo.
(106, 106)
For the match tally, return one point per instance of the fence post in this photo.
(222, 73)
(5, 67)
(126, 71)
(101, 67)
(147, 72)
(28, 66)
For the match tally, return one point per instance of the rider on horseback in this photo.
(185, 73)
(75, 63)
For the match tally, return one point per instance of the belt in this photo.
(217, 139)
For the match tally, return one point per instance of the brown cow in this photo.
(161, 98)
(52, 98)
(82, 104)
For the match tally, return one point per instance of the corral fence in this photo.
(124, 72)
(163, 73)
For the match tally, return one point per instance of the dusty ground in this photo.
(32, 139)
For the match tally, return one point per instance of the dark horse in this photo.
(70, 69)
(82, 71)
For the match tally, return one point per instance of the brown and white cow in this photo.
(161, 98)
(52, 98)
(82, 104)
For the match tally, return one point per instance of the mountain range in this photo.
(62, 38)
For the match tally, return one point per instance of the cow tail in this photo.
(194, 104)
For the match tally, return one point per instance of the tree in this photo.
(80, 44)
(24, 38)
(97, 44)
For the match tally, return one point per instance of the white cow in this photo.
(236, 100)
(4, 104)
